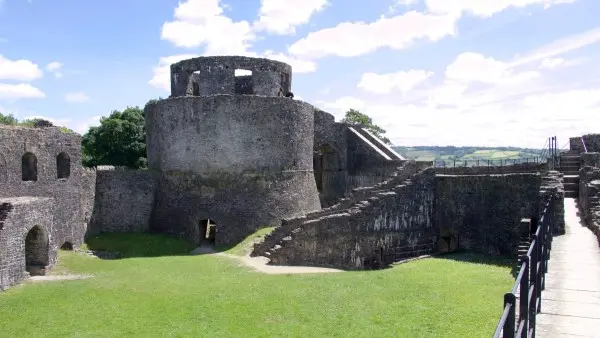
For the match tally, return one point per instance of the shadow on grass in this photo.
(129, 245)
(479, 258)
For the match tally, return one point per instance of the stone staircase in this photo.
(569, 167)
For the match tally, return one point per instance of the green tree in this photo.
(8, 119)
(119, 140)
(355, 116)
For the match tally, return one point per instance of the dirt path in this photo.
(260, 263)
(51, 278)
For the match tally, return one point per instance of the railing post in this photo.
(524, 297)
(532, 283)
(509, 326)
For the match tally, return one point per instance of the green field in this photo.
(451, 154)
(158, 290)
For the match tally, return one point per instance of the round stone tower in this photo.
(229, 147)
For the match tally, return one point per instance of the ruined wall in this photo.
(19, 216)
(124, 200)
(330, 157)
(489, 170)
(592, 143)
(482, 212)
(215, 75)
(73, 194)
(375, 227)
(553, 186)
(589, 191)
(242, 161)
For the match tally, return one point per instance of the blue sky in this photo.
(431, 72)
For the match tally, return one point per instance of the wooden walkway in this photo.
(571, 300)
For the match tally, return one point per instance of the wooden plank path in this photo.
(571, 299)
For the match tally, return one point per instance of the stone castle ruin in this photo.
(230, 154)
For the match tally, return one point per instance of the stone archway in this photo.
(36, 251)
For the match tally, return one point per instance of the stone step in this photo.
(571, 194)
(571, 186)
(571, 179)
(570, 173)
(569, 167)
(569, 156)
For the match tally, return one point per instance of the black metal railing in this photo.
(583, 144)
(530, 280)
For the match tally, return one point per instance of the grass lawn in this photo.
(157, 290)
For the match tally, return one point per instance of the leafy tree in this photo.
(119, 140)
(8, 119)
(355, 116)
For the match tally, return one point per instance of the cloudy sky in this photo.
(431, 72)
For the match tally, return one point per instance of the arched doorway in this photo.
(67, 246)
(29, 167)
(63, 165)
(36, 251)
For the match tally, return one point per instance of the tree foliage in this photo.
(355, 116)
(11, 120)
(119, 140)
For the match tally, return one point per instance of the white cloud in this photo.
(54, 68)
(298, 65)
(551, 63)
(162, 71)
(340, 106)
(83, 126)
(281, 17)
(20, 91)
(475, 67)
(558, 47)
(202, 23)
(350, 39)
(403, 81)
(19, 70)
(77, 97)
(484, 8)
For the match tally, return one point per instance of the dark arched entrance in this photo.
(36, 251)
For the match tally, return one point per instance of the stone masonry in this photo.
(239, 152)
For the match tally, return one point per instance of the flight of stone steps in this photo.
(569, 167)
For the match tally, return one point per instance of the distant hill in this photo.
(451, 154)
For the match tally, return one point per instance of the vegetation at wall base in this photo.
(194, 296)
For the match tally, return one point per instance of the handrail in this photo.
(530, 280)
(584, 146)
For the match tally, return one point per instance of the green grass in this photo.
(177, 295)
(245, 247)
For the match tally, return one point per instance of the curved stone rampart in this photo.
(214, 75)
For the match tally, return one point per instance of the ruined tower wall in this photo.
(72, 194)
(18, 216)
(243, 161)
(124, 200)
(215, 75)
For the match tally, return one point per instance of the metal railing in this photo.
(486, 162)
(530, 280)
(584, 146)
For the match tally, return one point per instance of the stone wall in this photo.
(483, 212)
(589, 197)
(50, 161)
(124, 200)
(553, 186)
(371, 227)
(592, 143)
(242, 161)
(490, 170)
(18, 250)
(392, 225)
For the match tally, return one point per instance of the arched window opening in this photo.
(29, 167)
(207, 230)
(318, 169)
(63, 165)
(36, 251)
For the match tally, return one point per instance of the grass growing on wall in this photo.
(177, 295)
